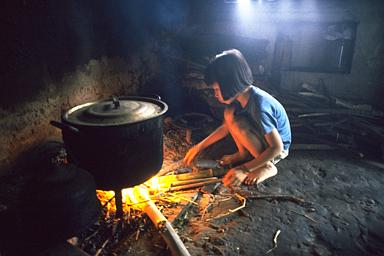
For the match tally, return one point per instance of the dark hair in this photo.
(231, 71)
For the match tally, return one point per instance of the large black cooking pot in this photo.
(119, 141)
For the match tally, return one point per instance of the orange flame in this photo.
(134, 197)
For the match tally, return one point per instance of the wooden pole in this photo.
(183, 213)
(202, 174)
(186, 182)
(119, 203)
(166, 230)
(194, 185)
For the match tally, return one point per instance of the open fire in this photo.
(157, 188)
(139, 199)
(149, 211)
(148, 200)
(138, 202)
(152, 210)
(132, 198)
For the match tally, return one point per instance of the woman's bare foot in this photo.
(261, 174)
(234, 158)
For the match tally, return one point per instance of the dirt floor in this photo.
(341, 212)
(319, 203)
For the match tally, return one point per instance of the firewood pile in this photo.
(319, 120)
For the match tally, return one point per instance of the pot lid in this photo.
(116, 111)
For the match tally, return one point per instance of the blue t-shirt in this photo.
(267, 114)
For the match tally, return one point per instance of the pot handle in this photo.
(156, 96)
(64, 126)
(115, 101)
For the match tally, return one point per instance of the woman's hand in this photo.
(226, 160)
(191, 155)
(232, 159)
(234, 177)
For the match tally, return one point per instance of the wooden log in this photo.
(178, 221)
(170, 168)
(315, 95)
(166, 230)
(100, 250)
(193, 185)
(203, 174)
(293, 199)
(119, 203)
(186, 182)
(173, 241)
(313, 115)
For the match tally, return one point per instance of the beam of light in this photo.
(244, 8)
(245, 12)
(248, 14)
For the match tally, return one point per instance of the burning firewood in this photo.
(194, 185)
(162, 224)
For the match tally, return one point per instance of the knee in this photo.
(271, 167)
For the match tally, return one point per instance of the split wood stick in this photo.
(183, 213)
(216, 172)
(170, 168)
(186, 182)
(305, 215)
(154, 214)
(194, 185)
(98, 252)
(166, 230)
(106, 203)
(294, 199)
(173, 241)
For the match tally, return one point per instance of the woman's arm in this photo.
(215, 136)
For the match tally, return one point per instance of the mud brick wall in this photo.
(25, 123)
(57, 55)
